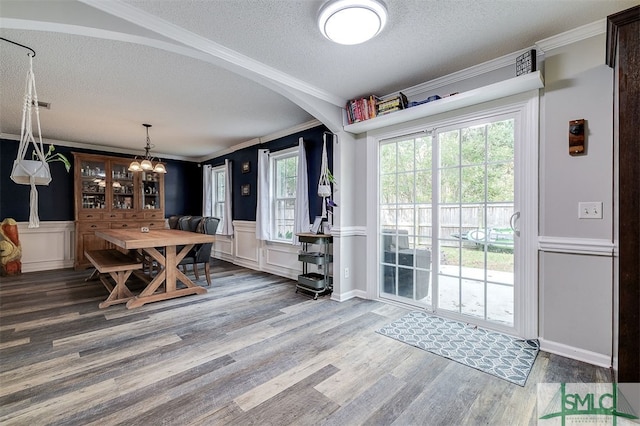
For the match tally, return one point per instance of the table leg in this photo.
(172, 266)
(169, 275)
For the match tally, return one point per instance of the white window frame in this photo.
(217, 203)
(274, 157)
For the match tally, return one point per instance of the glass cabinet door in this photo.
(93, 182)
(121, 187)
(151, 191)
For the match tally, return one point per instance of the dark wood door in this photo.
(623, 40)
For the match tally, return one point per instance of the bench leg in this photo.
(93, 275)
(120, 293)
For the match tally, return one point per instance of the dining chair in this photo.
(194, 221)
(173, 221)
(202, 252)
(183, 223)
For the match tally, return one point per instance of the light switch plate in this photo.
(590, 210)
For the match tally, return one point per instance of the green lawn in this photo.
(474, 258)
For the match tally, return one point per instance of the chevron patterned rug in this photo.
(503, 356)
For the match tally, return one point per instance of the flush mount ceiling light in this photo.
(146, 163)
(352, 21)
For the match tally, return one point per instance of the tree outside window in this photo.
(285, 176)
(218, 195)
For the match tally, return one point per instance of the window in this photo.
(284, 169)
(218, 189)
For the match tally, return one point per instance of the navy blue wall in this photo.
(183, 181)
(244, 207)
(183, 187)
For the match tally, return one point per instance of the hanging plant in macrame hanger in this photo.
(324, 183)
(36, 170)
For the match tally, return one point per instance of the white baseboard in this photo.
(281, 272)
(47, 266)
(246, 264)
(349, 295)
(600, 360)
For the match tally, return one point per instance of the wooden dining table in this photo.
(169, 274)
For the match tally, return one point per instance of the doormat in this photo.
(503, 356)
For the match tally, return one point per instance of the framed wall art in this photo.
(526, 62)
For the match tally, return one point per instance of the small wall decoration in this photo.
(526, 62)
(245, 190)
(577, 140)
(246, 167)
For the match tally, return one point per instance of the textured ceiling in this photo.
(105, 75)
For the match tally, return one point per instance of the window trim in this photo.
(273, 158)
(215, 171)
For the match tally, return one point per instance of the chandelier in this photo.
(147, 162)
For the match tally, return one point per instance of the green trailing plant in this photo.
(50, 157)
(331, 178)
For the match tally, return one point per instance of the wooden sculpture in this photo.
(10, 249)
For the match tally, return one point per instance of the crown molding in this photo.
(465, 74)
(572, 36)
(563, 39)
(96, 147)
(256, 141)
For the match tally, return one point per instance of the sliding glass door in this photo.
(475, 213)
(447, 219)
(406, 176)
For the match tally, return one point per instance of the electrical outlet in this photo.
(590, 210)
(346, 272)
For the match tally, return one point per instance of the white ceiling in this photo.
(212, 74)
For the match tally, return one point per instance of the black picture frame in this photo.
(246, 167)
(245, 190)
(526, 62)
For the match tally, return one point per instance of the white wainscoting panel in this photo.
(247, 247)
(576, 304)
(282, 260)
(268, 256)
(51, 246)
(223, 248)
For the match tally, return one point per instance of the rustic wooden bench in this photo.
(119, 266)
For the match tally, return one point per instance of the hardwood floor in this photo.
(250, 351)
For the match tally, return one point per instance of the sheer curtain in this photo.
(227, 218)
(207, 191)
(263, 209)
(301, 220)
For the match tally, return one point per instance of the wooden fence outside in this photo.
(455, 220)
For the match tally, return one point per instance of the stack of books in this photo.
(393, 104)
(362, 109)
(372, 106)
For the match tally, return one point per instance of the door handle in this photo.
(512, 223)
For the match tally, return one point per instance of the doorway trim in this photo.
(526, 107)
